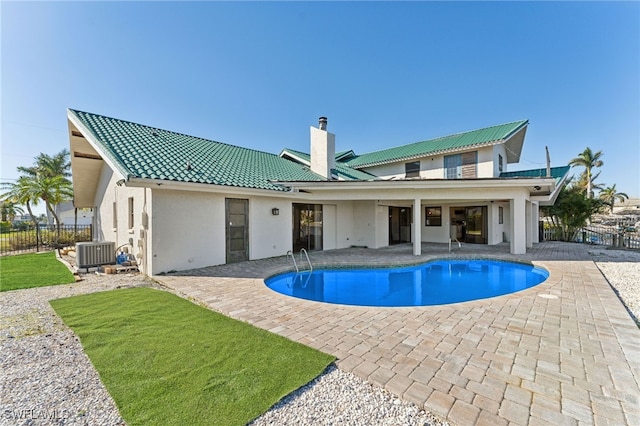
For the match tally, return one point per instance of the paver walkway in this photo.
(565, 352)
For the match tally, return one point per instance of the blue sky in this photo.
(259, 74)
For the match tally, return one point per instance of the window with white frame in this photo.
(500, 166)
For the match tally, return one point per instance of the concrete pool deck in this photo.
(565, 352)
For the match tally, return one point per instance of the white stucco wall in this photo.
(345, 235)
(364, 223)
(499, 150)
(485, 162)
(107, 193)
(269, 235)
(188, 230)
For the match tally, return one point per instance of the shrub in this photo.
(5, 227)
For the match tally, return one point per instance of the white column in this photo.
(518, 227)
(535, 218)
(528, 217)
(417, 228)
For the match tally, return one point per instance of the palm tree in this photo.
(49, 166)
(49, 176)
(53, 191)
(582, 183)
(22, 192)
(589, 160)
(10, 210)
(609, 195)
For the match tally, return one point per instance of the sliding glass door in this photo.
(307, 227)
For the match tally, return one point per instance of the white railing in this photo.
(456, 240)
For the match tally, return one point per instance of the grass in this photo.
(167, 361)
(32, 270)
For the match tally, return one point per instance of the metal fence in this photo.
(600, 235)
(43, 239)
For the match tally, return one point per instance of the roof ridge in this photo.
(453, 135)
(170, 131)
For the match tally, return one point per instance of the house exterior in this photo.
(69, 215)
(180, 202)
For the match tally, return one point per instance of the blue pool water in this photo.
(433, 283)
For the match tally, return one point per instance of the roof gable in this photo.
(140, 151)
(474, 138)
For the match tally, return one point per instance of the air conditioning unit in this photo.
(95, 254)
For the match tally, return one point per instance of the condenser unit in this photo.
(95, 254)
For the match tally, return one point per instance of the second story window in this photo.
(461, 166)
(412, 169)
(499, 163)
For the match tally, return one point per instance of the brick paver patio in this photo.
(565, 352)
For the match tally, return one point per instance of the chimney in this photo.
(323, 149)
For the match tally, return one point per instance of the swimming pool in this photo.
(433, 283)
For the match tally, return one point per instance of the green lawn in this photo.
(167, 361)
(32, 270)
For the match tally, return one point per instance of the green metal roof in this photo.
(146, 152)
(558, 173)
(473, 138)
(342, 170)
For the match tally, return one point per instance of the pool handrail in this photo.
(290, 253)
(308, 261)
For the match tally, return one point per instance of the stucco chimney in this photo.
(323, 149)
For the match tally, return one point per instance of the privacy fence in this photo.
(43, 239)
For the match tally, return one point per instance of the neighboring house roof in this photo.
(140, 151)
(342, 171)
(473, 139)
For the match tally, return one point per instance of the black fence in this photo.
(610, 236)
(43, 239)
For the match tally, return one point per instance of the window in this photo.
(115, 215)
(500, 215)
(461, 166)
(499, 162)
(433, 216)
(130, 212)
(412, 169)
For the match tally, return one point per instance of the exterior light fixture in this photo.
(275, 211)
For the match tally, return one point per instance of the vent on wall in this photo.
(95, 254)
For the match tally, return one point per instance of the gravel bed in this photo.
(48, 379)
(46, 376)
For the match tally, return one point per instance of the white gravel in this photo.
(46, 378)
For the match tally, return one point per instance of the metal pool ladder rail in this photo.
(295, 264)
(307, 256)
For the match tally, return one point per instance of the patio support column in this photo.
(528, 219)
(535, 219)
(417, 228)
(518, 225)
